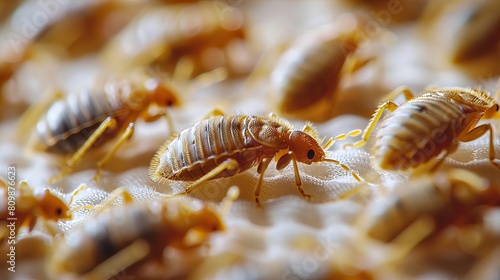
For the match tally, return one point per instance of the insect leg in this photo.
(404, 90)
(113, 197)
(298, 181)
(147, 117)
(389, 105)
(77, 156)
(354, 63)
(261, 169)
(214, 112)
(123, 138)
(478, 132)
(228, 164)
(126, 257)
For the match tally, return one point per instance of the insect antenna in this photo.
(346, 168)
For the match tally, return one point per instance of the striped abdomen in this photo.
(388, 217)
(69, 122)
(199, 149)
(309, 72)
(159, 223)
(420, 130)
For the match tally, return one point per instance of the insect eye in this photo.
(310, 154)
(170, 102)
(58, 211)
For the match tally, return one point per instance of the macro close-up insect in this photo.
(118, 237)
(420, 130)
(86, 119)
(163, 35)
(223, 146)
(471, 41)
(26, 208)
(307, 78)
(447, 197)
(362, 137)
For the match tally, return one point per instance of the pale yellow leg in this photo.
(126, 257)
(112, 198)
(410, 237)
(209, 78)
(353, 63)
(214, 112)
(406, 91)
(161, 113)
(77, 156)
(261, 169)
(228, 164)
(123, 138)
(298, 181)
(232, 194)
(183, 70)
(371, 125)
(478, 132)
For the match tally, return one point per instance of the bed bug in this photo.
(310, 71)
(222, 146)
(88, 118)
(447, 197)
(133, 234)
(417, 132)
(472, 36)
(21, 207)
(163, 34)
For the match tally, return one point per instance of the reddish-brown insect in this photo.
(307, 77)
(133, 234)
(425, 127)
(223, 146)
(88, 118)
(20, 206)
(164, 34)
(467, 33)
(447, 197)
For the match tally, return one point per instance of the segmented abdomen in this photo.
(201, 148)
(308, 73)
(418, 131)
(69, 122)
(387, 217)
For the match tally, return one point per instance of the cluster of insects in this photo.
(208, 42)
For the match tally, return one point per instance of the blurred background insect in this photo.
(465, 34)
(28, 208)
(306, 80)
(135, 234)
(205, 34)
(86, 119)
(223, 146)
(422, 132)
(449, 198)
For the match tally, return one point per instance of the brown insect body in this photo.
(310, 71)
(160, 224)
(29, 207)
(480, 33)
(89, 118)
(446, 197)
(162, 35)
(426, 126)
(69, 122)
(247, 139)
